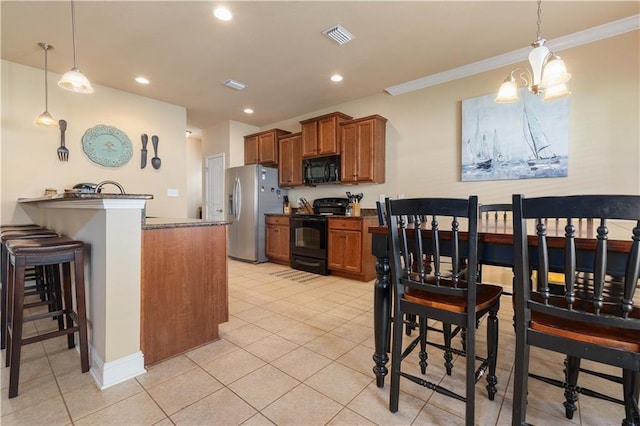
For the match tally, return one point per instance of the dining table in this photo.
(495, 247)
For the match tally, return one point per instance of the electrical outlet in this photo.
(172, 192)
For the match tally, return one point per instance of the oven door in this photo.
(309, 236)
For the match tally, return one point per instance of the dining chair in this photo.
(444, 229)
(498, 211)
(496, 214)
(587, 320)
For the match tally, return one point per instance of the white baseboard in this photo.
(118, 371)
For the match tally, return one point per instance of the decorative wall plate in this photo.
(107, 146)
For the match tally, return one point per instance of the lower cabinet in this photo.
(277, 239)
(349, 248)
(184, 289)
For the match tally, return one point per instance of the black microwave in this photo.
(321, 170)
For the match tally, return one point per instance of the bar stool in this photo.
(45, 252)
(6, 235)
(20, 226)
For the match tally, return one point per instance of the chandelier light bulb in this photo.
(555, 73)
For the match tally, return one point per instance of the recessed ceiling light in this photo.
(248, 111)
(142, 80)
(223, 14)
(336, 77)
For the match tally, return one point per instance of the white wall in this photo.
(194, 177)
(29, 160)
(423, 132)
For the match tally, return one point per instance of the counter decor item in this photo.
(155, 161)
(143, 152)
(63, 152)
(107, 146)
(354, 203)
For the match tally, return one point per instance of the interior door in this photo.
(215, 188)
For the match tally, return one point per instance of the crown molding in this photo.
(579, 38)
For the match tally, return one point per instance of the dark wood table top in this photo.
(501, 232)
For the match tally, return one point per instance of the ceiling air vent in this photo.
(339, 34)
(235, 84)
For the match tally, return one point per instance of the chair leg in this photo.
(81, 310)
(470, 359)
(631, 387)
(394, 391)
(423, 345)
(448, 355)
(54, 289)
(3, 297)
(492, 351)
(409, 326)
(66, 292)
(572, 369)
(521, 375)
(15, 341)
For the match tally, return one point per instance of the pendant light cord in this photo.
(73, 33)
(538, 34)
(46, 84)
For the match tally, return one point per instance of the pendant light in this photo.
(74, 80)
(45, 119)
(548, 73)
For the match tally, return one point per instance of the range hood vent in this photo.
(339, 34)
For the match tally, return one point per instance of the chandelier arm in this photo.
(523, 74)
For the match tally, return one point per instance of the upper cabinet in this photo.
(362, 150)
(321, 136)
(290, 160)
(262, 148)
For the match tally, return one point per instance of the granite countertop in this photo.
(170, 222)
(71, 196)
(369, 213)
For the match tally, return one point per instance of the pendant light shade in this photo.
(74, 80)
(45, 119)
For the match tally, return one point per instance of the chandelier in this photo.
(548, 74)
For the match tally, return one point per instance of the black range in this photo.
(309, 235)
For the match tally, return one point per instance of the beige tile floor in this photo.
(293, 353)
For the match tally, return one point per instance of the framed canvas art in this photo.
(521, 140)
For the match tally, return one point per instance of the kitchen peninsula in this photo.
(124, 256)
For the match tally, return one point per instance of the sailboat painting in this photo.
(521, 140)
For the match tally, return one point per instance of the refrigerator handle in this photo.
(237, 196)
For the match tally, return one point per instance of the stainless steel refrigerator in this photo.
(252, 191)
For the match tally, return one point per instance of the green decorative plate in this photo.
(107, 146)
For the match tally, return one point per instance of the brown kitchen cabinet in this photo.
(262, 148)
(362, 150)
(349, 248)
(277, 239)
(290, 160)
(320, 135)
(184, 294)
